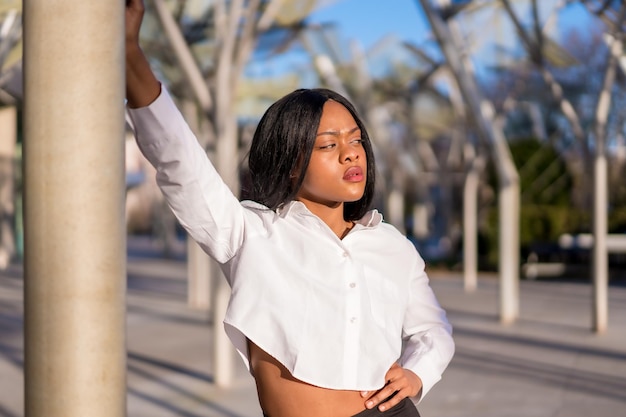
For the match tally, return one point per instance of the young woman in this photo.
(330, 309)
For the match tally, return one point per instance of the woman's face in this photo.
(337, 170)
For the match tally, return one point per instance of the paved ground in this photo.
(546, 364)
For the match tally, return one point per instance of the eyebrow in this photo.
(335, 133)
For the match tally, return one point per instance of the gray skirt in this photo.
(404, 408)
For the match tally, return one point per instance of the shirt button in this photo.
(353, 320)
(346, 254)
(352, 285)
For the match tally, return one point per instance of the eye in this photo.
(357, 141)
(327, 146)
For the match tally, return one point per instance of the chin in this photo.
(353, 199)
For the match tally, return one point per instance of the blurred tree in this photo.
(545, 212)
(10, 100)
(10, 52)
(589, 119)
(517, 81)
(544, 175)
(489, 128)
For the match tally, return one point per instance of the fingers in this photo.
(135, 3)
(134, 16)
(135, 6)
(401, 383)
(379, 400)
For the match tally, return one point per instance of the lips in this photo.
(353, 174)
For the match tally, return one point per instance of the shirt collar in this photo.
(294, 206)
(371, 219)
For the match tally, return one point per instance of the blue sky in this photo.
(364, 21)
(370, 20)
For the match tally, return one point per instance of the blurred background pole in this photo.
(199, 264)
(75, 247)
(470, 225)
(600, 254)
(600, 190)
(482, 113)
(200, 268)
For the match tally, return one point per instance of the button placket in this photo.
(352, 326)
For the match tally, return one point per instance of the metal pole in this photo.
(199, 277)
(483, 114)
(508, 203)
(75, 247)
(199, 264)
(470, 226)
(223, 352)
(600, 190)
(600, 311)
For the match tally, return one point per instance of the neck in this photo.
(331, 215)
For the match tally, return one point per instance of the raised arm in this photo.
(195, 192)
(142, 87)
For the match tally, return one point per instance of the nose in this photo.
(349, 153)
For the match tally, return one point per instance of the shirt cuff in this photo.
(427, 355)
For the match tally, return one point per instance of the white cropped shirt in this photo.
(337, 313)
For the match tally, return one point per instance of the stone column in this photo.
(75, 247)
(470, 226)
(199, 264)
(600, 258)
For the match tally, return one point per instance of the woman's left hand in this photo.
(400, 381)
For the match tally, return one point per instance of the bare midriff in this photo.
(282, 395)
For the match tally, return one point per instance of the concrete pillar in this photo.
(75, 247)
(600, 264)
(470, 228)
(227, 163)
(508, 203)
(482, 112)
(199, 274)
(395, 208)
(199, 264)
(421, 218)
(224, 354)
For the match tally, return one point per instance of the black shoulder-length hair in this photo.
(282, 145)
